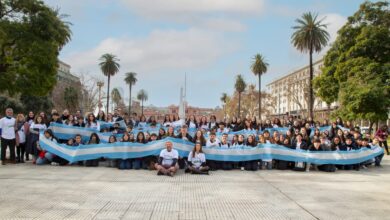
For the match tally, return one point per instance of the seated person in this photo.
(197, 161)
(167, 161)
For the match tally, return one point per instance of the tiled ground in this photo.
(52, 192)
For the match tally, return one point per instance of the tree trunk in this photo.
(108, 93)
(310, 107)
(259, 119)
(371, 123)
(239, 105)
(130, 100)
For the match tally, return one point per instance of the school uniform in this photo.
(299, 166)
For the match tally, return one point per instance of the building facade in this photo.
(291, 93)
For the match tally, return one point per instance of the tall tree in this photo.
(130, 80)
(240, 86)
(31, 37)
(224, 99)
(358, 65)
(310, 36)
(71, 98)
(116, 96)
(109, 66)
(142, 96)
(259, 67)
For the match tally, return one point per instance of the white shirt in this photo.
(7, 126)
(192, 125)
(212, 144)
(197, 160)
(168, 156)
(225, 146)
(22, 135)
(94, 125)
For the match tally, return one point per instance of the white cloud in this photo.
(169, 53)
(222, 15)
(334, 22)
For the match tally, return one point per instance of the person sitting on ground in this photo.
(167, 161)
(197, 161)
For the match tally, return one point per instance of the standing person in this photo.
(37, 126)
(92, 123)
(382, 134)
(197, 160)
(112, 162)
(21, 131)
(167, 161)
(8, 135)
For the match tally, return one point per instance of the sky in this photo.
(209, 41)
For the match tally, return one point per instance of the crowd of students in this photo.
(22, 132)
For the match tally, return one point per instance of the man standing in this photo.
(7, 125)
(167, 162)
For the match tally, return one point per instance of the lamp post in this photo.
(100, 84)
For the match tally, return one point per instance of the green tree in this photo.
(224, 99)
(240, 86)
(36, 103)
(130, 80)
(71, 98)
(310, 36)
(116, 96)
(259, 67)
(31, 37)
(109, 66)
(143, 97)
(358, 63)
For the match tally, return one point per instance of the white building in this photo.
(291, 93)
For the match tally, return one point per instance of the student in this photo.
(222, 128)
(316, 147)
(137, 162)
(197, 160)
(171, 132)
(37, 126)
(203, 123)
(93, 139)
(125, 164)
(191, 122)
(112, 162)
(167, 161)
(167, 121)
(101, 116)
(199, 137)
(233, 124)
(299, 144)
(213, 142)
(92, 123)
(184, 134)
(44, 156)
(70, 121)
(224, 144)
(349, 146)
(21, 132)
(80, 122)
(253, 164)
(8, 136)
(55, 118)
(116, 117)
(378, 159)
(161, 134)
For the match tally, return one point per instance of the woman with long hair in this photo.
(197, 160)
(93, 139)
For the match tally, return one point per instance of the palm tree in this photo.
(224, 98)
(130, 80)
(109, 66)
(259, 67)
(240, 87)
(116, 96)
(142, 96)
(310, 35)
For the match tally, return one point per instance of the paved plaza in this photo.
(72, 192)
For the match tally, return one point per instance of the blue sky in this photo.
(211, 41)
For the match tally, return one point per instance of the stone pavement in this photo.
(72, 192)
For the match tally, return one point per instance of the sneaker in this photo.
(170, 174)
(242, 168)
(54, 164)
(364, 167)
(159, 173)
